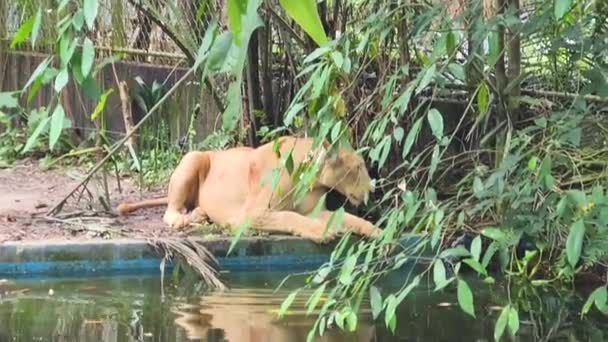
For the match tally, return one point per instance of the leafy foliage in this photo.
(520, 161)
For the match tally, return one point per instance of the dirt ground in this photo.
(27, 192)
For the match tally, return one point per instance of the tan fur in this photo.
(225, 187)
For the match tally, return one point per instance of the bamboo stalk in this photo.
(127, 113)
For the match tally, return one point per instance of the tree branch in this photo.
(182, 46)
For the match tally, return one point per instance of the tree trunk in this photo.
(501, 82)
(253, 89)
(265, 48)
(514, 51)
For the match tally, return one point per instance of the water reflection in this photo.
(250, 315)
(133, 309)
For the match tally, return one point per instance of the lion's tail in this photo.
(126, 207)
(200, 161)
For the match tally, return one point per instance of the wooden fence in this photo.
(16, 68)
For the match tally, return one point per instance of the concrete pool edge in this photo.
(129, 256)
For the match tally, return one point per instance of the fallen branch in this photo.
(119, 144)
(72, 226)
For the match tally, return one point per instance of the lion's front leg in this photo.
(184, 188)
(288, 222)
(354, 224)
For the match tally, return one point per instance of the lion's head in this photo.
(345, 171)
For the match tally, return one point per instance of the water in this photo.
(138, 309)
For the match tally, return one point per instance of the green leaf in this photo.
(375, 301)
(90, 88)
(319, 206)
(392, 302)
(240, 230)
(62, 5)
(78, 21)
(8, 99)
(478, 187)
(495, 234)
(219, 51)
(207, 43)
(494, 48)
(351, 321)
(39, 71)
(532, 163)
(336, 220)
(483, 99)
(314, 299)
(411, 137)
(287, 303)
(465, 298)
(439, 277)
(398, 134)
(232, 113)
(90, 8)
(386, 148)
(574, 243)
(513, 321)
(346, 276)
(577, 197)
(600, 297)
(427, 77)
(322, 324)
(34, 137)
(436, 121)
(339, 319)
(408, 289)
(36, 26)
(450, 44)
(56, 126)
(476, 248)
(475, 265)
(304, 12)
(61, 79)
(134, 157)
(101, 106)
(434, 160)
(293, 111)
(88, 57)
(501, 323)
(66, 49)
(24, 31)
(454, 252)
(403, 100)
(335, 131)
(560, 8)
(489, 254)
(338, 59)
(321, 275)
(457, 71)
(236, 9)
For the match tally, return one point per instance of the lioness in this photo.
(225, 186)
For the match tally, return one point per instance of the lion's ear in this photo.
(335, 159)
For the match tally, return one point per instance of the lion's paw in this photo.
(176, 220)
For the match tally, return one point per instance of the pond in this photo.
(140, 309)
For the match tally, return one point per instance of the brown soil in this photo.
(27, 192)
